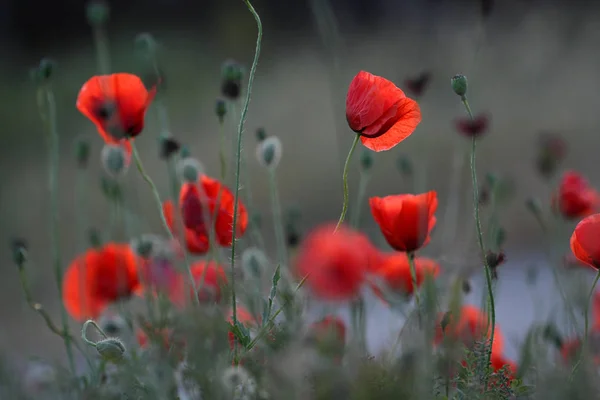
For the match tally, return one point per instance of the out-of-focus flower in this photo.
(380, 112)
(575, 198)
(585, 241)
(198, 203)
(100, 277)
(209, 278)
(335, 264)
(473, 127)
(117, 105)
(405, 220)
(418, 84)
(552, 151)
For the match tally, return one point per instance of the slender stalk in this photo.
(345, 180)
(238, 160)
(413, 276)
(277, 219)
(102, 52)
(488, 271)
(222, 155)
(362, 188)
(586, 325)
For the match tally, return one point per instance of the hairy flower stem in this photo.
(586, 325)
(140, 167)
(345, 181)
(413, 276)
(237, 169)
(488, 271)
(362, 188)
(277, 219)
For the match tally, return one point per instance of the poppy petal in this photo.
(408, 116)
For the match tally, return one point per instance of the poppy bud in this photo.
(44, 71)
(459, 85)
(261, 134)
(111, 349)
(97, 13)
(404, 165)
(114, 160)
(168, 147)
(189, 169)
(231, 80)
(94, 237)
(254, 261)
(366, 160)
(82, 152)
(221, 109)
(19, 251)
(269, 152)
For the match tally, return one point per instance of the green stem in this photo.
(238, 160)
(488, 272)
(413, 277)
(54, 154)
(277, 219)
(102, 52)
(345, 180)
(84, 332)
(222, 155)
(362, 188)
(586, 325)
(140, 167)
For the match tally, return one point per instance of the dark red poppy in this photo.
(406, 220)
(417, 85)
(198, 203)
(335, 263)
(380, 112)
(575, 197)
(100, 277)
(473, 127)
(117, 105)
(585, 243)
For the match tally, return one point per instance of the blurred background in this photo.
(532, 65)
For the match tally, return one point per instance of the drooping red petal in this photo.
(404, 122)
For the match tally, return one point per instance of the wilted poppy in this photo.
(473, 127)
(197, 203)
(585, 243)
(335, 263)
(405, 220)
(380, 112)
(209, 277)
(575, 197)
(98, 278)
(117, 105)
(394, 270)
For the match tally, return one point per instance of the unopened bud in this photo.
(190, 170)
(82, 152)
(111, 349)
(269, 152)
(19, 251)
(115, 160)
(459, 85)
(221, 109)
(254, 261)
(261, 134)
(44, 71)
(168, 147)
(366, 160)
(231, 80)
(97, 13)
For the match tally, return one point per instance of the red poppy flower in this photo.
(418, 84)
(473, 127)
(575, 197)
(498, 362)
(584, 241)
(335, 263)
(395, 272)
(380, 112)
(197, 203)
(214, 278)
(117, 105)
(467, 328)
(405, 220)
(98, 278)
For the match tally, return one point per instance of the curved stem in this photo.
(84, 328)
(345, 179)
(488, 272)
(586, 324)
(362, 187)
(277, 219)
(237, 171)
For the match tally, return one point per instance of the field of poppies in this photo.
(202, 308)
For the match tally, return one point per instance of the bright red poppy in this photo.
(473, 127)
(395, 273)
(470, 326)
(214, 279)
(335, 263)
(575, 197)
(406, 220)
(100, 277)
(117, 105)
(380, 112)
(197, 203)
(585, 242)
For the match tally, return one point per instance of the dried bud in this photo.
(404, 165)
(366, 160)
(231, 80)
(168, 147)
(115, 160)
(221, 109)
(254, 261)
(189, 169)
(111, 349)
(261, 134)
(19, 251)
(269, 152)
(97, 13)
(44, 71)
(82, 152)
(459, 85)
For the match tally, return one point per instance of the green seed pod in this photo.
(269, 152)
(189, 170)
(459, 85)
(114, 160)
(111, 349)
(97, 13)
